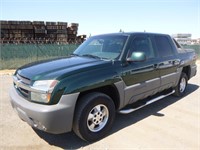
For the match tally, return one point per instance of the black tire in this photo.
(94, 116)
(182, 85)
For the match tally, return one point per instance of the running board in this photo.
(127, 111)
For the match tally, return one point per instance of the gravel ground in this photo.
(172, 123)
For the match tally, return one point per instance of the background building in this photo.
(183, 38)
(195, 41)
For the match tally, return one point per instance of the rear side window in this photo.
(163, 45)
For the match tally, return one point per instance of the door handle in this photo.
(165, 64)
(155, 66)
(176, 62)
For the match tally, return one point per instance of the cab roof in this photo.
(132, 33)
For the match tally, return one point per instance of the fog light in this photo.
(38, 125)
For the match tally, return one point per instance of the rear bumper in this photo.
(49, 118)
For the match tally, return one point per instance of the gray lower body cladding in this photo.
(49, 118)
(133, 93)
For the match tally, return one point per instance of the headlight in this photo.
(42, 90)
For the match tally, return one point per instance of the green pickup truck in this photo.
(119, 72)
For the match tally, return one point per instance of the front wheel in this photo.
(182, 84)
(94, 116)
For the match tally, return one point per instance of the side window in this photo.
(177, 44)
(163, 46)
(142, 44)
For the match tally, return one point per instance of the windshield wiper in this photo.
(92, 56)
(74, 54)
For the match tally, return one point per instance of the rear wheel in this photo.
(94, 116)
(181, 87)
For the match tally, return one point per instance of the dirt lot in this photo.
(172, 123)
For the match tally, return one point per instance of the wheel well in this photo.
(109, 90)
(187, 71)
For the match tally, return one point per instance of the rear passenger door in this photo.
(168, 61)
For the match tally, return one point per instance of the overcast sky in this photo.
(107, 16)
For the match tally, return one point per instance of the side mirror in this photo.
(137, 57)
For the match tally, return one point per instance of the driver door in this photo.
(141, 78)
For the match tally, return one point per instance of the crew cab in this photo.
(119, 72)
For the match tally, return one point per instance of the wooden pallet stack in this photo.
(57, 31)
(62, 35)
(51, 28)
(5, 28)
(27, 33)
(16, 31)
(81, 38)
(72, 30)
(39, 31)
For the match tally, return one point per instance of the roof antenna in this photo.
(121, 31)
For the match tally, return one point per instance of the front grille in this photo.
(24, 79)
(23, 92)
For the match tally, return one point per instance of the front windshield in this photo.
(103, 47)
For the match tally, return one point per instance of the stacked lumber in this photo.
(72, 31)
(39, 32)
(81, 38)
(16, 31)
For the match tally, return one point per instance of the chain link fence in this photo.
(195, 47)
(13, 56)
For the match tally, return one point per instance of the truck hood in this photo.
(57, 68)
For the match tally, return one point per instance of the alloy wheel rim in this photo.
(97, 118)
(182, 85)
